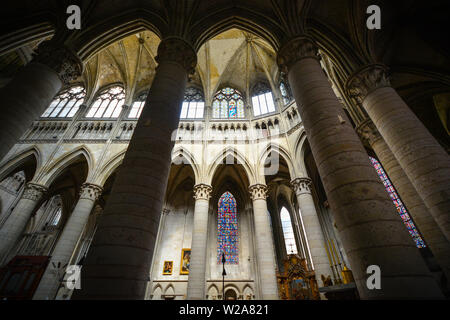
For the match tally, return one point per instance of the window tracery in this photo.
(228, 104)
(193, 104)
(108, 103)
(262, 100)
(137, 106)
(288, 232)
(66, 104)
(285, 92)
(227, 229)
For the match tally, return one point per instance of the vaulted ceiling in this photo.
(233, 58)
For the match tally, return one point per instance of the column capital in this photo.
(202, 191)
(34, 191)
(177, 50)
(258, 192)
(366, 80)
(90, 191)
(296, 49)
(302, 185)
(59, 58)
(368, 132)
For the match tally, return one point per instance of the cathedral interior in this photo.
(283, 141)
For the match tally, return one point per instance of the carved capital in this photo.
(60, 59)
(258, 192)
(295, 50)
(34, 191)
(179, 51)
(202, 192)
(368, 132)
(367, 80)
(90, 191)
(302, 185)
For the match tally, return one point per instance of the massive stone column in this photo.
(316, 241)
(32, 89)
(197, 268)
(424, 161)
(119, 259)
(435, 239)
(67, 241)
(13, 227)
(265, 252)
(369, 227)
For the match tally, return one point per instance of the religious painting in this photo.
(185, 261)
(168, 267)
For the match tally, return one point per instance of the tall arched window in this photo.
(228, 104)
(288, 232)
(398, 204)
(193, 104)
(227, 229)
(137, 106)
(66, 104)
(108, 103)
(262, 100)
(285, 93)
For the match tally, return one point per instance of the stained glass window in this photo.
(137, 106)
(108, 104)
(288, 232)
(193, 104)
(262, 100)
(285, 93)
(227, 229)
(398, 204)
(66, 104)
(228, 104)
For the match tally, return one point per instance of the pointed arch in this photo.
(241, 159)
(17, 160)
(212, 291)
(170, 290)
(243, 19)
(299, 151)
(157, 292)
(248, 290)
(181, 152)
(109, 167)
(58, 166)
(100, 36)
(282, 152)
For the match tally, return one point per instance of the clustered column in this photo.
(316, 241)
(118, 262)
(367, 220)
(67, 241)
(265, 252)
(30, 92)
(433, 235)
(17, 221)
(424, 161)
(197, 268)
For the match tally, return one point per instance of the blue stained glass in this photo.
(398, 204)
(228, 103)
(227, 229)
(232, 109)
